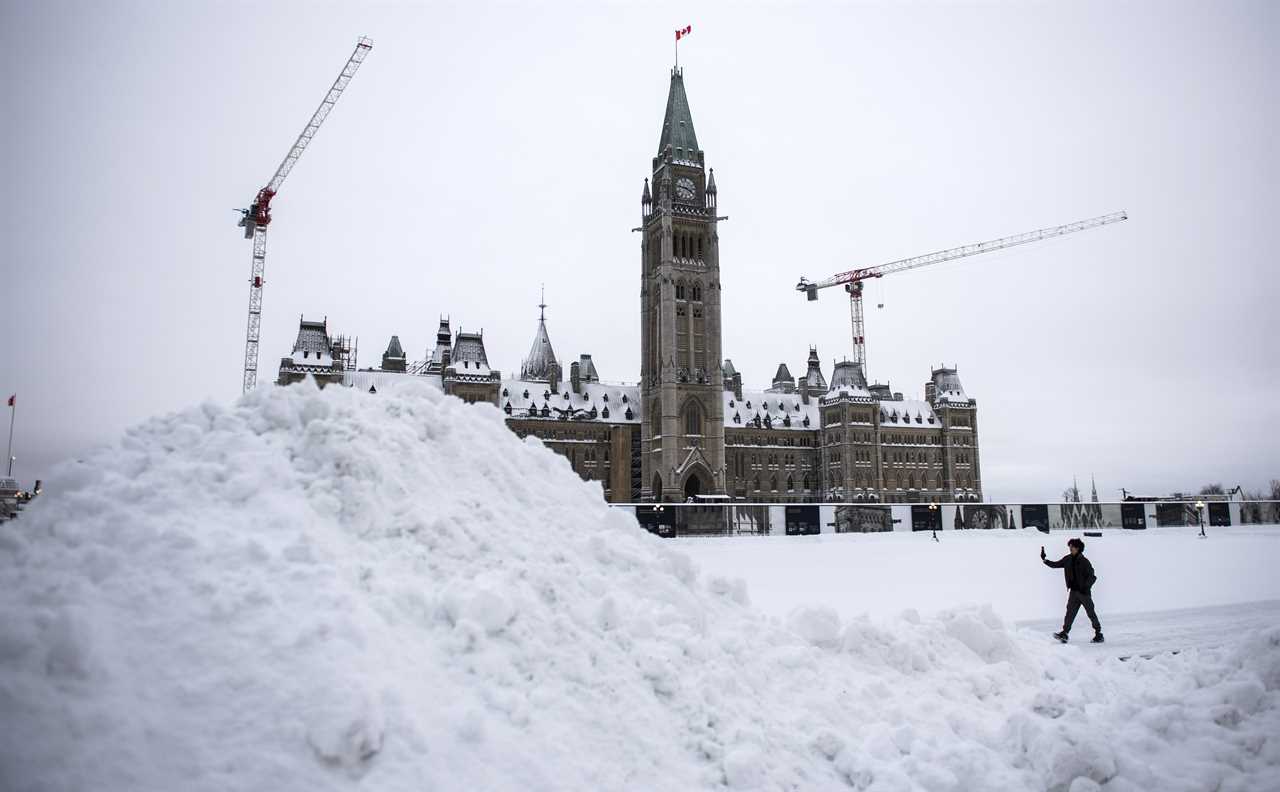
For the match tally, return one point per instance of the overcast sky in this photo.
(486, 149)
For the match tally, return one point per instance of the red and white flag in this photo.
(682, 33)
(13, 400)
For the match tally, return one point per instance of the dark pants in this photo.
(1074, 600)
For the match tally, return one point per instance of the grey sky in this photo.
(485, 149)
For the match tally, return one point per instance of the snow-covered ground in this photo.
(338, 590)
(1138, 571)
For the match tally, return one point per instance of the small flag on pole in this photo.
(684, 32)
(13, 400)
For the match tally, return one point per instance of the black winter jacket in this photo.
(1077, 570)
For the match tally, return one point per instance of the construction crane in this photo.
(852, 280)
(257, 217)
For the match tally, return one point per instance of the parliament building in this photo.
(688, 428)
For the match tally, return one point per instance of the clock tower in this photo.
(681, 384)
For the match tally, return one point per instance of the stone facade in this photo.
(689, 428)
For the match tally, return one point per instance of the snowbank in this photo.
(324, 590)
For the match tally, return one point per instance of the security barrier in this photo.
(720, 518)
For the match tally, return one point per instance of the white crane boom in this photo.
(257, 217)
(852, 279)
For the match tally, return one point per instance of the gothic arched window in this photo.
(680, 290)
(692, 418)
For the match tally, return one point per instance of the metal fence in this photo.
(798, 519)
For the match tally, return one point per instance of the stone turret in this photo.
(394, 359)
(814, 384)
(783, 382)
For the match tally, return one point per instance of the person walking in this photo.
(1080, 579)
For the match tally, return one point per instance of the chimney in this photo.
(575, 379)
(737, 385)
(930, 391)
(553, 377)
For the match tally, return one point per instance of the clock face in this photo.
(684, 189)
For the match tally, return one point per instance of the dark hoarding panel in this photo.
(1133, 516)
(925, 519)
(1219, 514)
(803, 520)
(1035, 515)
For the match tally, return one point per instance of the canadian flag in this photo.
(682, 33)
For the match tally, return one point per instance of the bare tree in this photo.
(1212, 489)
(1071, 494)
(1274, 506)
(1251, 509)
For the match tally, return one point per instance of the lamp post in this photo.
(1200, 517)
(934, 517)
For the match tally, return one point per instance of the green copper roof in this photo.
(677, 125)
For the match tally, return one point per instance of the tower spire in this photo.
(677, 123)
(542, 305)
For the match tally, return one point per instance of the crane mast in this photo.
(257, 217)
(852, 279)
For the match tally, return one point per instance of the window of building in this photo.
(692, 418)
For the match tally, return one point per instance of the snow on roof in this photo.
(470, 347)
(947, 387)
(847, 380)
(607, 402)
(773, 410)
(377, 379)
(907, 412)
(312, 347)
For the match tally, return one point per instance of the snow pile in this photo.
(323, 590)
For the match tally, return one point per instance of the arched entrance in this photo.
(692, 487)
(655, 489)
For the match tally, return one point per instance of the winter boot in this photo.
(1061, 636)
(1098, 638)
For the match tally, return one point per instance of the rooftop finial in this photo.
(542, 305)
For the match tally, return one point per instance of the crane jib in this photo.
(255, 219)
(852, 279)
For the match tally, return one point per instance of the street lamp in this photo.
(1200, 516)
(934, 517)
